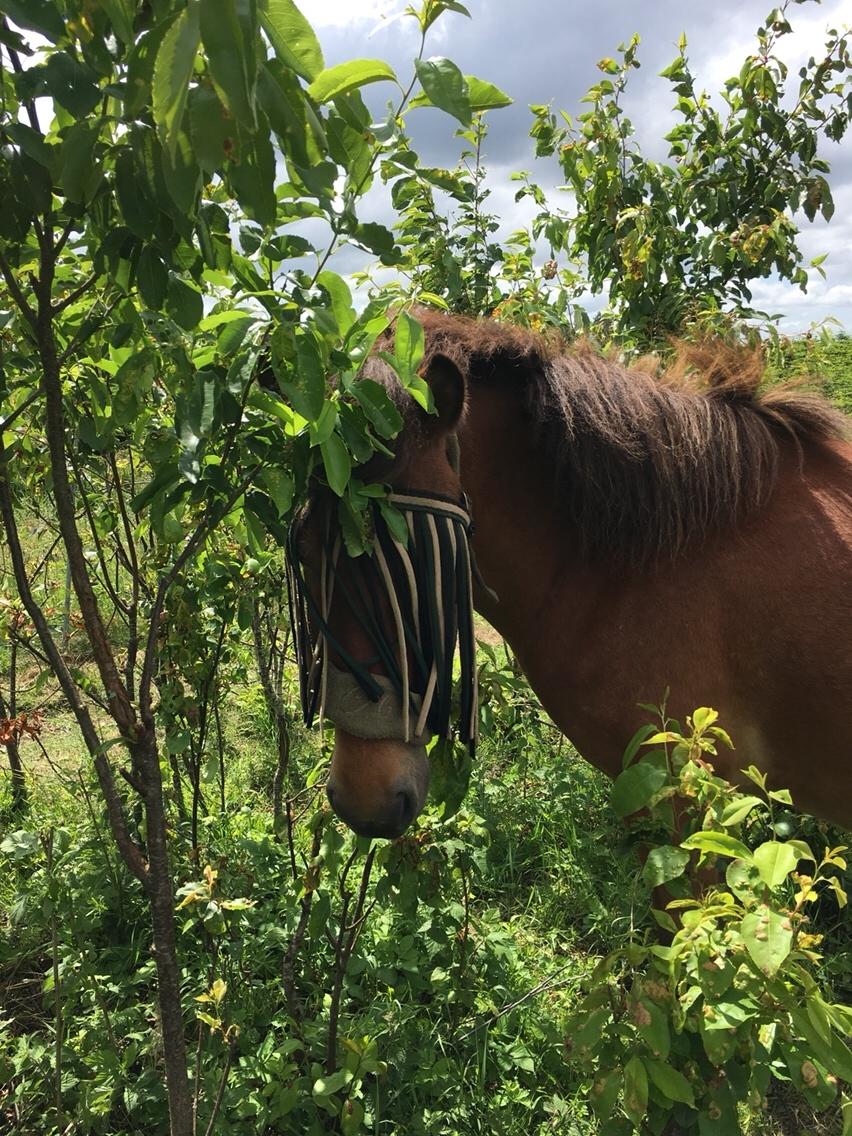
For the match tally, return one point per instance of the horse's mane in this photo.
(645, 459)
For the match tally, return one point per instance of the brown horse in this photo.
(636, 532)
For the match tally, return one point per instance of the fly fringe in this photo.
(413, 601)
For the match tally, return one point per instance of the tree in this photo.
(679, 242)
(149, 263)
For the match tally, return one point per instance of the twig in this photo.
(217, 1104)
(509, 1006)
(115, 809)
(18, 296)
(346, 939)
(201, 533)
(7, 423)
(75, 295)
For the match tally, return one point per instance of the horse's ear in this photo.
(447, 385)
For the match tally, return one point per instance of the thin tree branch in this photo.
(75, 295)
(7, 423)
(133, 608)
(18, 296)
(17, 67)
(78, 340)
(192, 545)
(120, 706)
(115, 809)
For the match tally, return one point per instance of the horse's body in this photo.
(641, 536)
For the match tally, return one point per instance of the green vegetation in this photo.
(188, 939)
(482, 957)
(825, 357)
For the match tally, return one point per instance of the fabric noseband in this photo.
(348, 708)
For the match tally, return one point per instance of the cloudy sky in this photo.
(544, 51)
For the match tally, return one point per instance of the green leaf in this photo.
(38, 16)
(172, 72)
(72, 83)
(184, 304)
(671, 1083)
(738, 809)
(703, 718)
(395, 522)
(378, 407)
(485, 96)
(120, 14)
(409, 345)
(306, 390)
(435, 8)
(635, 1090)
(81, 174)
(653, 1025)
(768, 937)
(341, 299)
(320, 430)
(228, 40)
(349, 76)
(33, 143)
(604, 1091)
(450, 768)
(253, 177)
(233, 333)
(181, 173)
(378, 239)
(636, 743)
(835, 1055)
(292, 37)
(338, 464)
(636, 786)
(325, 1086)
(663, 864)
(168, 475)
(212, 130)
(720, 843)
(281, 487)
(139, 209)
(20, 845)
(445, 86)
(152, 279)
(743, 878)
(775, 861)
(352, 1118)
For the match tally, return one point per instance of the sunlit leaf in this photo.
(349, 76)
(292, 37)
(768, 937)
(172, 72)
(446, 87)
(338, 464)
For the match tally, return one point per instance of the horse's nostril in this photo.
(407, 808)
(329, 792)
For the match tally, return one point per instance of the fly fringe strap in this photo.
(412, 601)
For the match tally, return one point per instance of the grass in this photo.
(463, 980)
(826, 358)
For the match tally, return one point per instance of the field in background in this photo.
(458, 987)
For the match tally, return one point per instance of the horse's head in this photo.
(376, 633)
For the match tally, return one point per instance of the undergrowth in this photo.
(456, 997)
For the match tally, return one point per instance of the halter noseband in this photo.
(422, 588)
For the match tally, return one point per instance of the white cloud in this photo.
(503, 44)
(342, 13)
(808, 38)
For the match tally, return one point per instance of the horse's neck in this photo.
(525, 552)
(578, 630)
